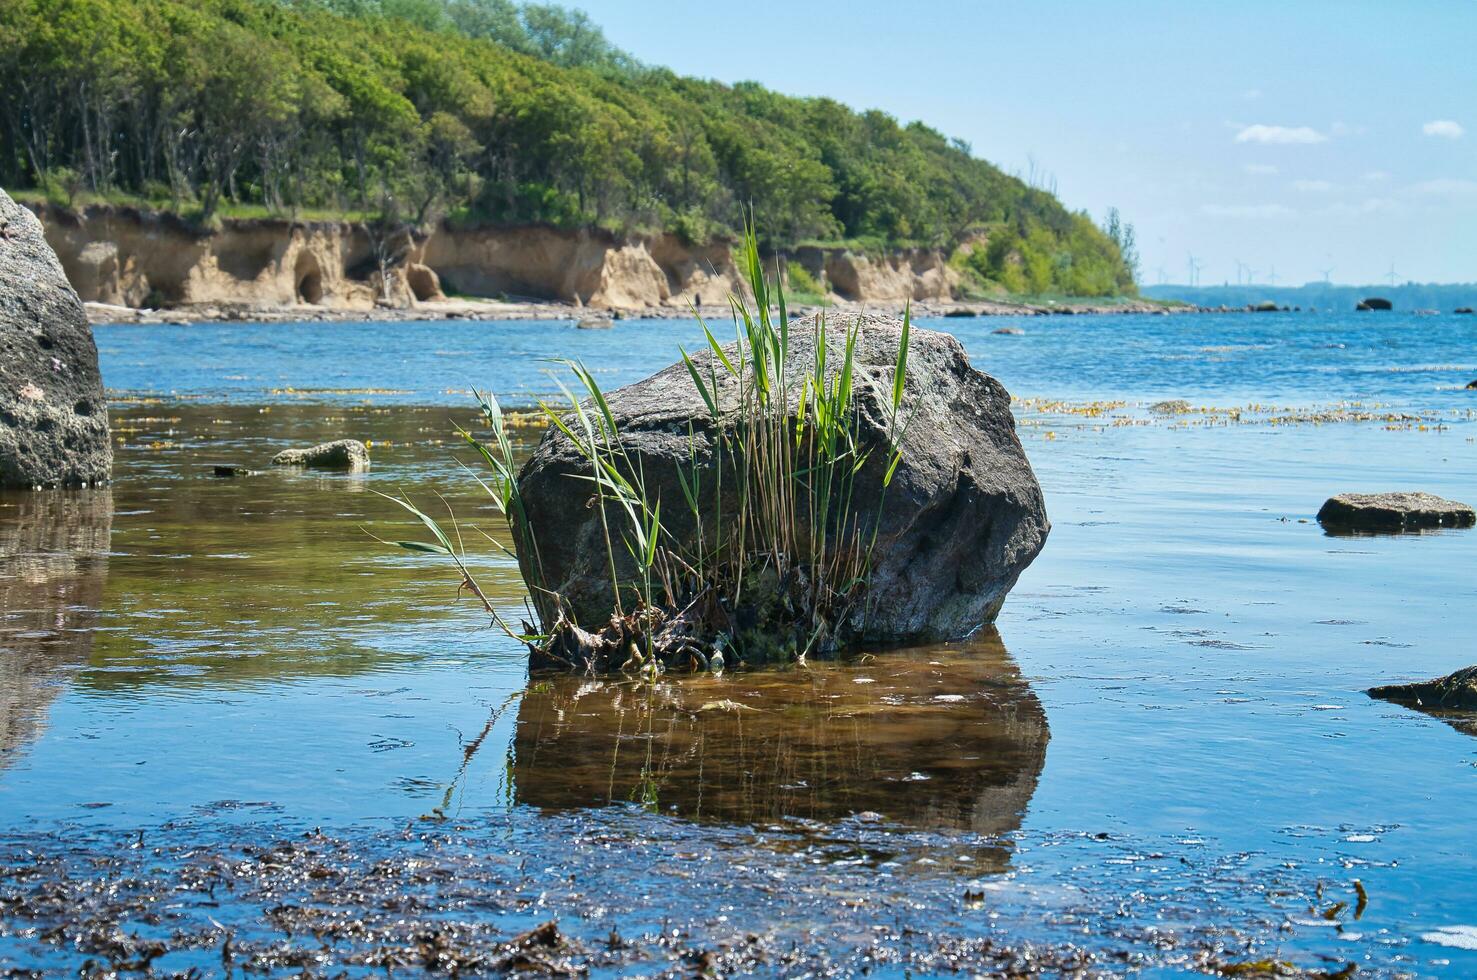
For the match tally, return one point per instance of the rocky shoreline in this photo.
(494, 310)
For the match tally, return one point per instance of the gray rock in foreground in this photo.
(53, 414)
(1457, 691)
(964, 514)
(344, 454)
(1402, 511)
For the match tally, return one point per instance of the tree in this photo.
(1122, 235)
(503, 112)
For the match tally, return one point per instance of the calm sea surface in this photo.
(1165, 736)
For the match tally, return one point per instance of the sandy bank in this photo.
(138, 266)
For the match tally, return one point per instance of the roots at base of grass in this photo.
(773, 624)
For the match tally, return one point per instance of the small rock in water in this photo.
(1472, 385)
(1176, 406)
(226, 471)
(345, 454)
(1009, 331)
(1458, 691)
(1400, 511)
(594, 322)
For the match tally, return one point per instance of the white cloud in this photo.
(1445, 187)
(1376, 175)
(1262, 133)
(1368, 206)
(1312, 186)
(1259, 169)
(1445, 128)
(1246, 210)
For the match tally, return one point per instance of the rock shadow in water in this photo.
(53, 565)
(947, 737)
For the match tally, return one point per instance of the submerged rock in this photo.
(963, 516)
(1009, 332)
(1400, 511)
(1457, 691)
(1175, 406)
(345, 454)
(53, 414)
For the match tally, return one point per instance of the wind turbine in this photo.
(1326, 273)
(1272, 276)
(1163, 277)
(1391, 275)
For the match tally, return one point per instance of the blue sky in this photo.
(1291, 137)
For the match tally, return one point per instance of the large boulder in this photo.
(1393, 512)
(963, 516)
(53, 415)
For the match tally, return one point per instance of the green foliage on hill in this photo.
(485, 111)
(557, 34)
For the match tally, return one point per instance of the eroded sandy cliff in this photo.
(126, 257)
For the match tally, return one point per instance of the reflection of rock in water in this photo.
(53, 562)
(944, 737)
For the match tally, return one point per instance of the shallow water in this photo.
(1169, 720)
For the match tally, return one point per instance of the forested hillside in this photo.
(481, 111)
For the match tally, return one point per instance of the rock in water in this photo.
(1374, 303)
(53, 415)
(963, 516)
(1402, 511)
(1458, 690)
(345, 454)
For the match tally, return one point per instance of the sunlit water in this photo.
(1172, 705)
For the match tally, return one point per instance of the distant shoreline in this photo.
(494, 311)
